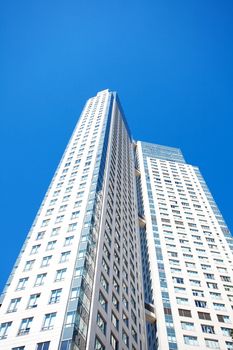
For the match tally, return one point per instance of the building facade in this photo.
(128, 250)
(186, 254)
(77, 282)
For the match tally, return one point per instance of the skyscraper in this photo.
(128, 250)
(77, 281)
(186, 254)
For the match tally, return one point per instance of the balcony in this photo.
(150, 313)
(142, 221)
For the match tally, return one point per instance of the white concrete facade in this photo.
(51, 300)
(189, 253)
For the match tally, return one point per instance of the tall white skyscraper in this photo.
(77, 282)
(186, 254)
(128, 250)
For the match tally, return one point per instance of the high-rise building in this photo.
(128, 250)
(186, 254)
(77, 283)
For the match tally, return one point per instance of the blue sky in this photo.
(170, 61)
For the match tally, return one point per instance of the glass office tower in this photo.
(186, 254)
(77, 281)
(128, 250)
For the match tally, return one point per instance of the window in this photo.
(218, 306)
(212, 344)
(115, 320)
(207, 329)
(55, 231)
(45, 223)
(104, 282)
(190, 340)
(183, 301)
(40, 279)
(51, 245)
(55, 296)
(59, 218)
(33, 300)
(229, 345)
(25, 326)
(28, 265)
(35, 249)
(215, 295)
(68, 240)
(60, 275)
(101, 323)
(64, 256)
(178, 280)
(125, 338)
(4, 329)
(70, 318)
(40, 235)
(113, 342)
(185, 313)
(49, 321)
(211, 285)
(227, 331)
(198, 293)
(188, 326)
(204, 316)
(98, 344)
(46, 261)
(18, 348)
(179, 290)
(43, 346)
(200, 303)
(103, 301)
(65, 344)
(13, 305)
(125, 319)
(72, 227)
(224, 318)
(22, 283)
(105, 266)
(115, 302)
(75, 214)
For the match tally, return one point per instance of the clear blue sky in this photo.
(171, 62)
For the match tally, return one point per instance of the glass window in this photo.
(207, 329)
(189, 326)
(113, 342)
(101, 323)
(104, 282)
(98, 344)
(25, 326)
(49, 321)
(46, 261)
(60, 275)
(64, 256)
(103, 301)
(40, 279)
(51, 245)
(22, 283)
(55, 296)
(33, 300)
(28, 265)
(212, 344)
(190, 340)
(4, 327)
(13, 305)
(68, 240)
(43, 346)
(70, 318)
